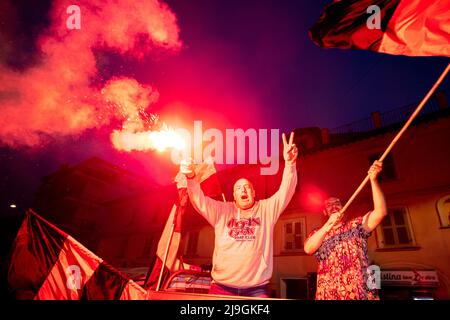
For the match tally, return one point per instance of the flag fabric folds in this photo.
(406, 27)
(171, 236)
(48, 264)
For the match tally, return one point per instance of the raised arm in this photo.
(314, 241)
(373, 218)
(207, 207)
(280, 200)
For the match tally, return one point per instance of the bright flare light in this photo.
(160, 140)
(166, 139)
(12, 205)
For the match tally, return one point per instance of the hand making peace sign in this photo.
(290, 150)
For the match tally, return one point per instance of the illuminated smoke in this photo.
(160, 140)
(56, 98)
(130, 100)
(140, 130)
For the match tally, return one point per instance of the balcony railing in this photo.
(394, 116)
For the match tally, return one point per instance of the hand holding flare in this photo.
(187, 167)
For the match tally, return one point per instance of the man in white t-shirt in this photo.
(243, 248)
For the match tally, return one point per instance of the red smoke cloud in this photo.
(130, 99)
(140, 130)
(56, 98)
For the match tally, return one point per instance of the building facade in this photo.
(120, 216)
(75, 198)
(412, 245)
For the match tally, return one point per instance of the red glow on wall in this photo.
(313, 198)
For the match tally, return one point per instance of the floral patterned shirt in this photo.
(343, 261)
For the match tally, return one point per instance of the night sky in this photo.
(244, 64)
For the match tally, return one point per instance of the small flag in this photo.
(172, 233)
(206, 174)
(399, 27)
(169, 242)
(202, 171)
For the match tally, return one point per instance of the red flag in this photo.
(48, 264)
(400, 27)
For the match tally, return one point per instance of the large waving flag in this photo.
(400, 27)
(48, 264)
(169, 242)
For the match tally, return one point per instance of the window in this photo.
(192, 242)
(395, 230)
(293, 235)
(443, 208)
(388, 173)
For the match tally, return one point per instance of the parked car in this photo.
(189, 281)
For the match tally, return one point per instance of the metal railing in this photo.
(388, 118)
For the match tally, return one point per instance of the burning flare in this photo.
(161, 140)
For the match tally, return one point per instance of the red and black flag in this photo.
(400, 27)
(48, 264)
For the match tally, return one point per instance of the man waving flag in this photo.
(167, 253)
(400, 27)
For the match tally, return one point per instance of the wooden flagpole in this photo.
(167, 249)
(180, 206)
(399, 134)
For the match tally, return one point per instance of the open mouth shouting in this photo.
(244, 197)
(244, 194)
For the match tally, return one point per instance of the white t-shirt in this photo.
(243, 250)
